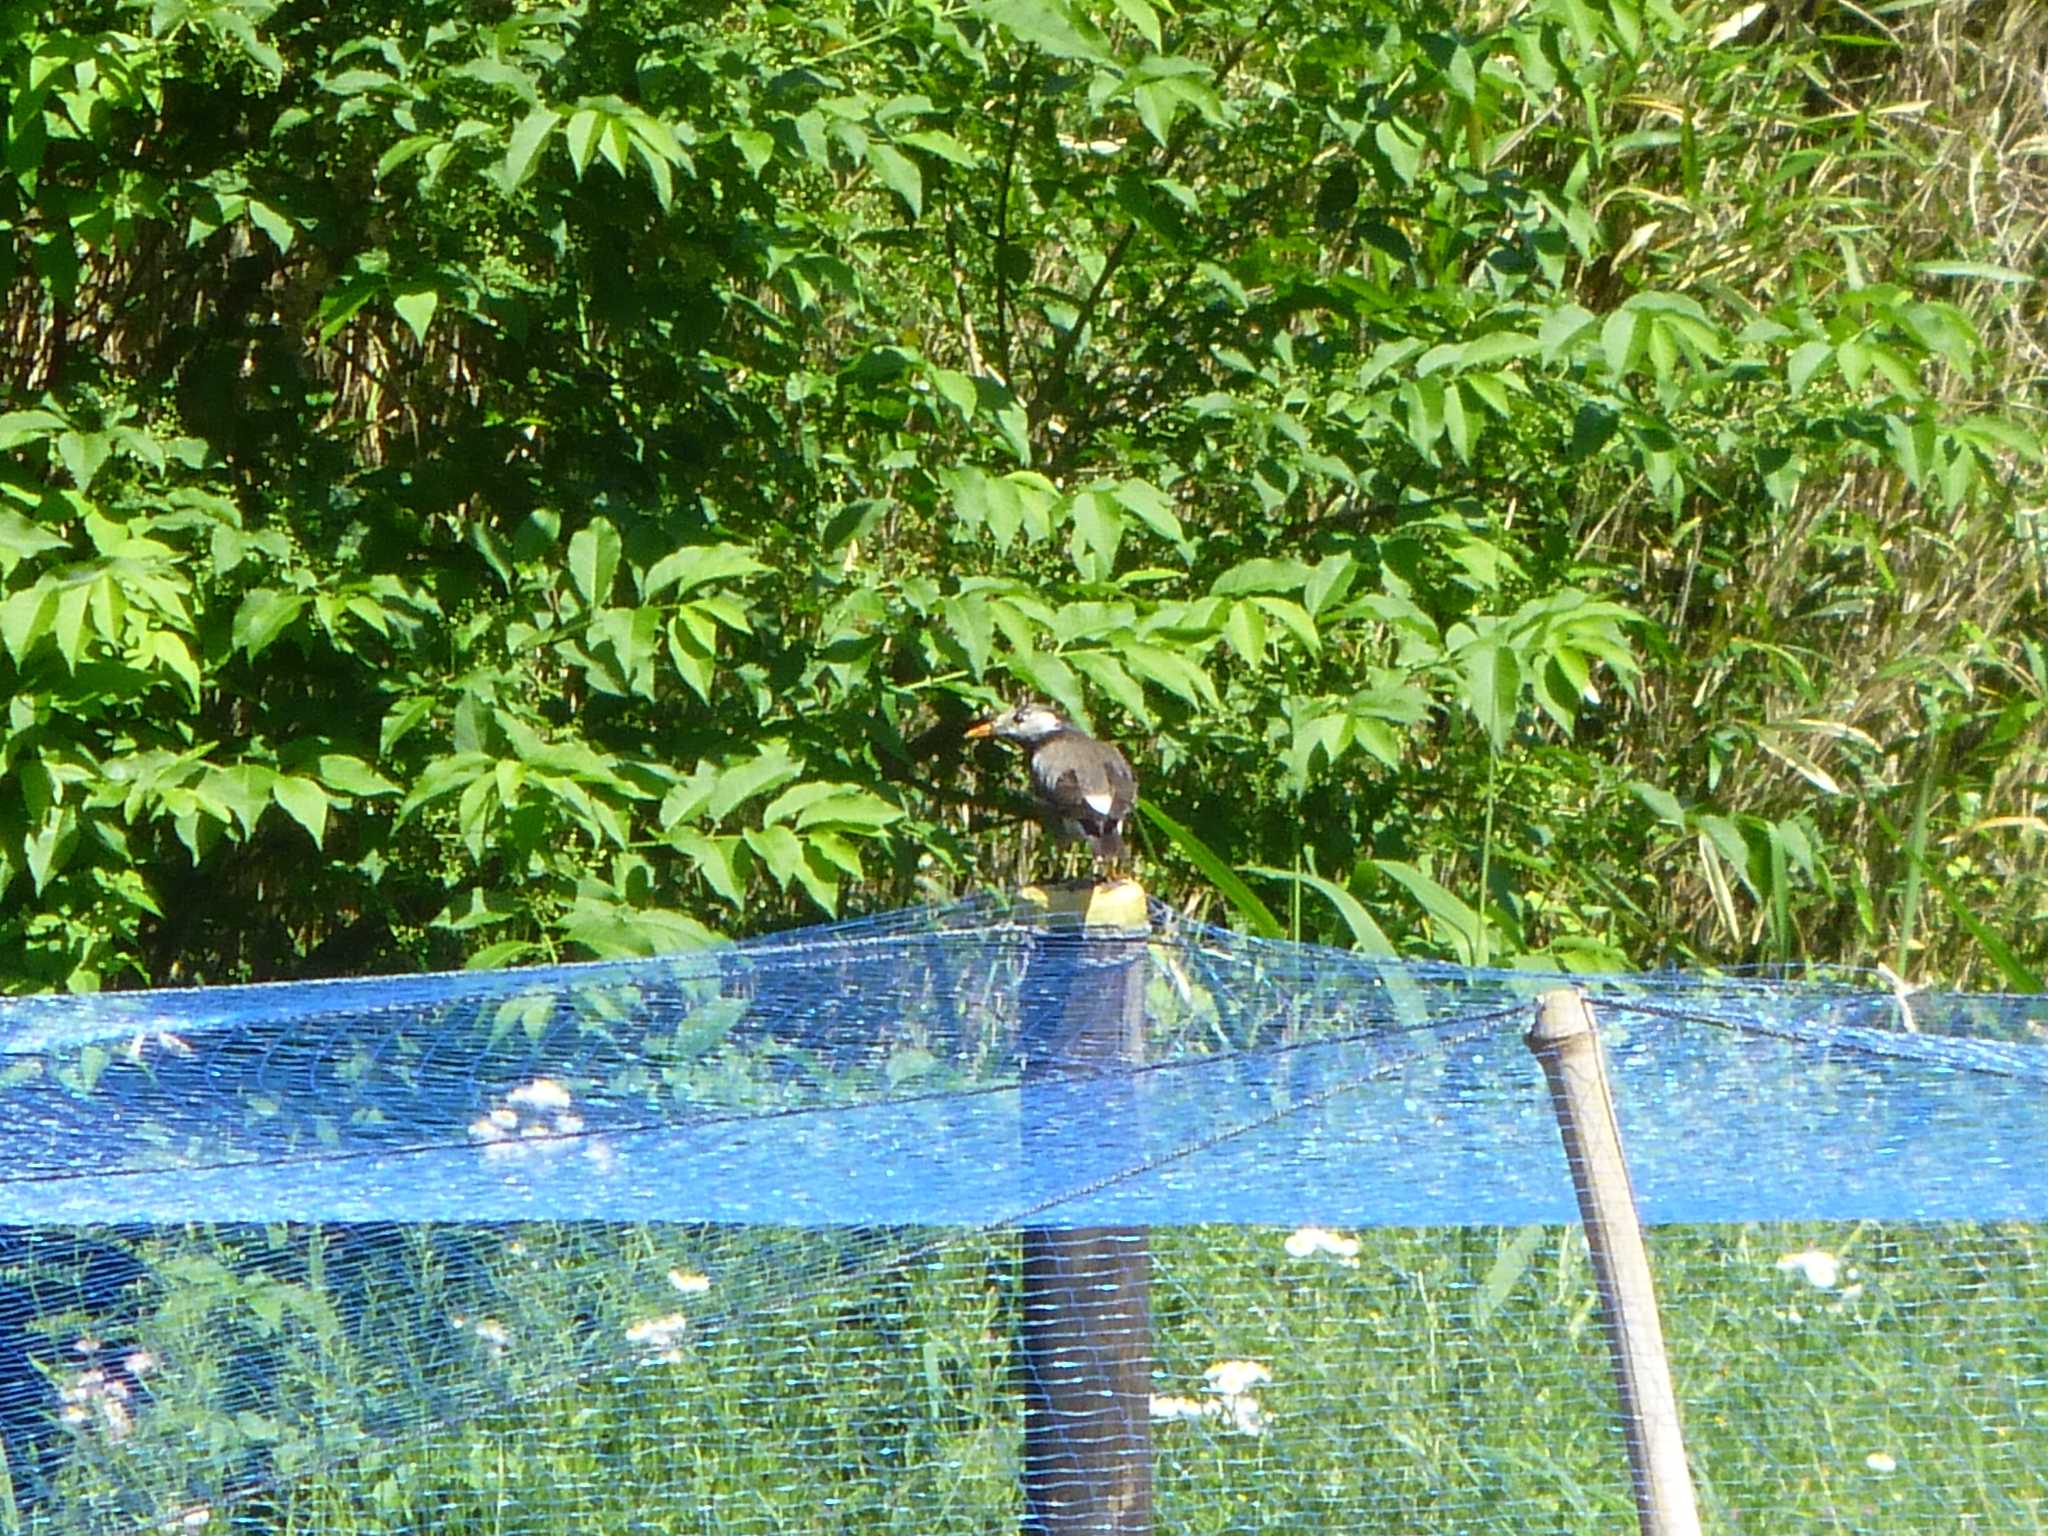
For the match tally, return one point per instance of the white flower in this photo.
(532, 1113)
(1232, 1382)
(662, 1336)
(491, 1333)
(1307, 1242)
(541, 1093)
(1821, 1268)
(689, 1282)
(1170, 1408)
(658, 1330)
(1245, 1414)
(96, 1397)
(1880, 1461)
(1234, 1378)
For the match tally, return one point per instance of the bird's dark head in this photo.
(1026, 723)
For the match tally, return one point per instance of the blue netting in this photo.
(869, 1073)
(259, 1239)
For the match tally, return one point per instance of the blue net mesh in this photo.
(752, 1238)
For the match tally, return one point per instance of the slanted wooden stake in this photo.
(1564, 1040)
(1087, 1329)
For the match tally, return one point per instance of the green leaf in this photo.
(1261, 575)
(1140, 14)
(756, 148)
(21, 539)
(352, 776)
(67, 627)
(717, 861)
(1510, 1264)
(692, 656)
(18, 427)
(1493, 687)
(169, 651)
(1662, 803)
(941, 145)
(1244, 627)
(1452, 916)
(416, 307)
(1050, 677)
(305, 802)
(1152, 507)
(274, 224)
(1366, 935)
(1402, 146)
(1252, 912)
(1098, 526)
(399, 721)
(1108, 674)
(581, 137)
(780, 850)
(1057, 29)
(742, 781)
(849, 807)
(899, 173)
(1173, 672)
(527, 139)
(83, 453)
(659, 169)
(1562, 330)
(1295, 619)
(1989, 271)
(1622, 338)
(263, 615)
(696, 565)
(968, 620)
(1158, 103)
(1805, 361)
(594, 561)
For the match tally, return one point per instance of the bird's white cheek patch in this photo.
(1100, 804)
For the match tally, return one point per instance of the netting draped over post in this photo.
(570, 1243)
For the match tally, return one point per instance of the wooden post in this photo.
(1564, 1040)
(1087, 1326)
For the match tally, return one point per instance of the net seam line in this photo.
(1476, 1025)
(1924, 1049)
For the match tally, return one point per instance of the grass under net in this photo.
(731, 1241)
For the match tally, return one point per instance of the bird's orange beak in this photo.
(981, 728)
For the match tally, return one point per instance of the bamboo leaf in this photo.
(1254, 913)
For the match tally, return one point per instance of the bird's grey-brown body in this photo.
(1084, 788)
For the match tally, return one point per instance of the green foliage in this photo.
(491, 487)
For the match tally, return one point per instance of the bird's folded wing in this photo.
(1104, 792)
